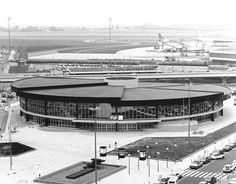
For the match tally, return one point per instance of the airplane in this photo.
(182, 46)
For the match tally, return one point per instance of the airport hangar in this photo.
(116, 103)
(223, 56)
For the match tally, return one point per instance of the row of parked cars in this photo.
(216, 154)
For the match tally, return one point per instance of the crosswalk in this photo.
(201, 174)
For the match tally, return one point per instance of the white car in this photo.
(173, 180)
(216, 155)
(228, 168)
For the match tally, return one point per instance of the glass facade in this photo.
(114, 115)
(22, 103)
(63, 109)
(137, 112)
(36, 106)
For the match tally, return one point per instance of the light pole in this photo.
(167, 158)
(189, 108)
(175, 145)
(129, 163)
(149, 157)
(147, 153)
(138, 158)
(110, 29)
(158, 153)
(9, 33)
(95, 140)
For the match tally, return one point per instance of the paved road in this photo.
(214, 168)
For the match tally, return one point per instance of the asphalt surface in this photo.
(214, 168)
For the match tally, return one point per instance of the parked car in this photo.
(220, 151)
(205, 159)
(232, 145)
(210, 180)
(164, 181)
(227, 148)
(173, 180)
(195, 164)
(228, 168)
(217, 155)
(176, 174)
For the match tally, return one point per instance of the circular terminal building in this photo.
(116, 103)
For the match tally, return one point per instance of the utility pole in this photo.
(9, 33)
(110, 29)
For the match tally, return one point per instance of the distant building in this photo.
(223, 56)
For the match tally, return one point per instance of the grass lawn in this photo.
(17, 148)
(184, 145)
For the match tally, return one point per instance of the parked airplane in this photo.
(167, 45)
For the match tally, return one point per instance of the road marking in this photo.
(193, 175)
(219, 174)
(189, 173)
(205, 173)
(222, 176)
(186, 172)
(213, 174)
(208, 174)
(202, 174)
(199, 174)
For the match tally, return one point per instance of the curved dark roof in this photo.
(96, 89)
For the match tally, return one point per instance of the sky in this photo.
(123, 12)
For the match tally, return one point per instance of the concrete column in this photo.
(156, 112)
(27, 117)
(77, 111)
(46, 122)
(212, 117)
(45, 107)
(221, 112)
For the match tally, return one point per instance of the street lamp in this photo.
(189, 108)
(95, 140)
(147, 153)
(167, 158)
(149, 157)
(158, 153)
(9, 33)
(138, 158)
(129, 163)
(175, 145)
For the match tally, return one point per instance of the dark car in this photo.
(195, 164)
(232, 145)
(164, 181)
(205, 160)
(227, 148)
(210, 180)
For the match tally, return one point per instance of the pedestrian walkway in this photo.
(199, 174)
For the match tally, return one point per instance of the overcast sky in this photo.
(122, 12)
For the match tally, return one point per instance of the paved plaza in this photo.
(57, 148)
